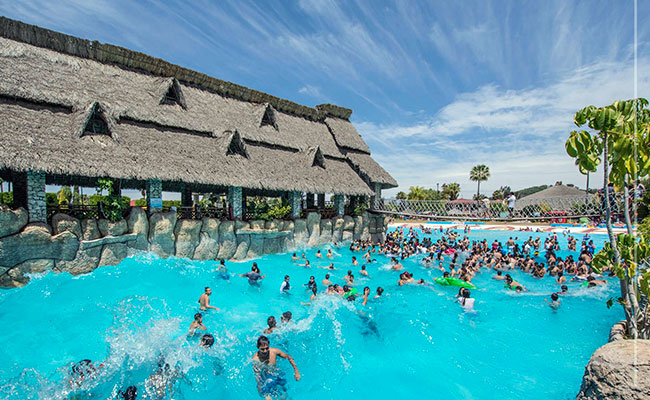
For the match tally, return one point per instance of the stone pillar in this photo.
(310, 200)
(376, 198)
(186, 195)
(321, 200)
(29, 192)
(339, 204)
(235, 200)
(154, 196)
(294, 202)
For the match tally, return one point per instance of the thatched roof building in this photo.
(80, 110)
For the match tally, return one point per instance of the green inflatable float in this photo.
(451, 281)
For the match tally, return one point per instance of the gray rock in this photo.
(337, 228)
(313, 228)
(272, 245)
(347, 236)
(243, 242)
(161, 233)
(208, 247)
(187, 233)
(64, 222)
(241, 225)
(89, 229)
(256, 247)
(274, 225)
(35, 241)
(138, 223)
(300, 235)
(325, 231)
(348, 223)
(288, 226)
(85, 261)
(358, 227)
(257, 224)
(227, 240)
(113, 254)
(365, 232)
(35, 266)
(12, 278)
(12, 221)
(612, 372)
(108, 228)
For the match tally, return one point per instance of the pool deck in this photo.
(508, 227)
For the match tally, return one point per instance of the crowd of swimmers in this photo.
(455, 255)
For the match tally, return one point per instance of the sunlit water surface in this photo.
(415, 342)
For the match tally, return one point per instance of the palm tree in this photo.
(452, 190)
(479, 173)
(417, 193)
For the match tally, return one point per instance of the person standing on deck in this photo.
(511, 204)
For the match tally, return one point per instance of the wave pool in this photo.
(414, 342)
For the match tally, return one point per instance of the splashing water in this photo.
(132, 321)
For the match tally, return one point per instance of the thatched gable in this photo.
(168, 123)
(370, 170)
(346, 135)
(172, 93)
(315, 157)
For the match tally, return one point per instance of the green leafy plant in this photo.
(113, 205)
(617, 136)
(277, 211)
(478, 174)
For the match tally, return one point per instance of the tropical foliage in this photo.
(479, 174)
(617, 136)
(112, 205)
(451, 190)
(529, 190)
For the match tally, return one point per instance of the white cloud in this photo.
(313, 91)
(519, 134)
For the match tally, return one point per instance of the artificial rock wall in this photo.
(80, 246)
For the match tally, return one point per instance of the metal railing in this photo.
(198, 212)
(553, 209)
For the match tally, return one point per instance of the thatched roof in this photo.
(346, 135)
(370, 170)
(165, 121)
(556, 191)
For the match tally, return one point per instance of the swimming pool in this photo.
(414, 342)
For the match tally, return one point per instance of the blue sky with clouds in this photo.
(436, 86)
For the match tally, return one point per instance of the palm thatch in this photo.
(346, 135)
(370, 170)
(163, 121)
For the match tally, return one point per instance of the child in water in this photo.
(555, 301)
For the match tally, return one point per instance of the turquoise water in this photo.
(415, 342)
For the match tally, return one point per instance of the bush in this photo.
(277, 212)
(7, 198)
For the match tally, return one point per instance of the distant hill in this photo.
(529, 190)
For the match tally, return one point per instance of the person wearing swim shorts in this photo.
(270, 382)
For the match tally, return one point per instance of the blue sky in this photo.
(436, 86)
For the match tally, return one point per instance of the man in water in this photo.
(555, 301)
(204, 300)
(253, 276)
(197, 323)
(285, 286)
(271, 322)
(326, 282)
(270, 382)
(206, 341)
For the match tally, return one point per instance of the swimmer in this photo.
(555, 301)
(253, 276)
(286, 317)
(306, 264)
(311, 283)
(380, 292)
(593, 282)
(319, 254)
(295, 257)
(349, 278)
(512, 284)
(366, 293)
(560, 278)
(81, 371)
(197, 323)
(269, 380)
(314, 290)
(499, 276)
(206, 341)
(223, 272)
(162, 380)
(329, 253)
(465, 301)
(272, 323)
(363, 271)
(326, 282)
(204, 300)
(331, 267)
(354, 261)
(285, 286)
(564, 290)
